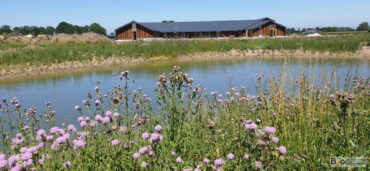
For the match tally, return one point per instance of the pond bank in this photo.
(20, 71)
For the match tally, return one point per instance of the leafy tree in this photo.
(77, 29)
(364, 26)
(64, 27)
(85, 29)
(5, 29)
(50, 30)
(95, 27)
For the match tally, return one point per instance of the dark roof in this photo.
(203, 26)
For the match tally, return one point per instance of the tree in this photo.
(95, 27)
(50, 30)
(5, 29)
(85, 29)
(364, 26)
(64, 27)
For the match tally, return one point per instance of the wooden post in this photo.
(246, 33)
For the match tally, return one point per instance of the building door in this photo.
(260, 33)
(134, 35)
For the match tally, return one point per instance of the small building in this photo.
(264, 27)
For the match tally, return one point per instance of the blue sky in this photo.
(113, 13)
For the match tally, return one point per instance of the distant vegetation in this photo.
(364, 26)
(48, 53)
(63, 27)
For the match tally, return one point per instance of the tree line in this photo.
(63, 27)
(364, 26)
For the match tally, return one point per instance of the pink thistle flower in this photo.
(275, 139)
(2, 157)
(136, 155)
(19, 135)
(155, 138)
(26, 127)
(115, 142)
(67, 164)
(282, 149)
(158, 128)
(178, 159)
(92, 124)
(219, 162)
(197, 169)
(72, 128)
(41, 132)
(77, 108)
(98, 118)
(270, 130)
(106, 120)
(206, 160)
(80, 119)
(66, 136)
(108, 113)
(83, 124)
(3, 164)
(173, 154)
(87, 119)
(145, 135)
(24, 149)
(246, 156)
(41, 145)
(29, 163)
(143, 150)
(27, 156)
(79, 144)
(41, 161)
(49, 138)
(258, 164)
(54, 130)
(60, 140)
(15, 168)
(230, 156)
(251, 126)
(143, 164)
(116, 114)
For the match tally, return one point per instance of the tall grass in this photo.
(294, 122)
(49, 53)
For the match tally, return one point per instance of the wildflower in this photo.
(26, 127)
(24, 149)
(155, 138)
(258, 164)
(41, 161)
(12, 160)
(230, 156)
(29, 163)
(197, 169)
(332, 96)
(3, 164)
(246, 156)
(86, 102)
(206, 160)
(143, 164)
(96, 89)
(106, 120)
(282, 149)
(108, 113)
(78, 108)
(80, 119)
(41, 145)
(19, 135)
(158, 128)
(173, 154)
(79, 144)
(178, 159)
(143, 150)
(97, 102)
(41, 132)
(251, 126)
(122, 129)
(92, 124)
(2, 156)
(27, 156)
(67, 164)
(275, 139)
(115, 142)
(270, 130)
(211, 123)
(98, 118)
(136, 155)
(49, 138)
(115, 114)
(60, 140)
(66, 136)
(219, 162)
(33, 150)
(72, 128)
(15, 168)
(83, 124)
(145, 135)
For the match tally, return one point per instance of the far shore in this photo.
(22, 72)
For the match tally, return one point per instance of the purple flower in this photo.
(158, 128)
(72, 128)
(15, 168)
(108, 113)
(98, 118)
(23, 150)
(258, 164)
(219, 162)
(178, 159)
(2, 157)
(275, 139)
(173, 154)
(19, 135)
(83, 124)
(282, 149)
(3, 164)
(27, 156)
(92, 124)
(251, 126)
(79, 144)
(41, 132)
(143, 164)
(332, 96)
(29, 163)
(156, 138)
(78, 108)
(60, 140)
(26, 127)
(80, 119)
(96, 89)
(206, 160)
(230, 156)
(246, 156)
(67, 164)
(106, 120)
(115, 142)
(115, 114)
(136, 155)
(143, 150)
(49, 138)
(270, 130)
(41, 161)
(197, 169)
(145, 135)
(12, 160)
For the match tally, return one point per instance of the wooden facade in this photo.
(140, 32)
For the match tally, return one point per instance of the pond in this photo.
(68, 90)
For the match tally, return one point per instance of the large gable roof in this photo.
(203, 26)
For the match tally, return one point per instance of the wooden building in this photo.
(264, 27)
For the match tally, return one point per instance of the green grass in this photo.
(314, 118)
(50, 53)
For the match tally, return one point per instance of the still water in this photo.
(67, 91)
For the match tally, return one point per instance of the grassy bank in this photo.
(53, 53)
(292, 123)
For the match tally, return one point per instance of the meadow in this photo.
(36, 54)
(291, 123)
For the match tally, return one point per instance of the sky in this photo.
(113, 13)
